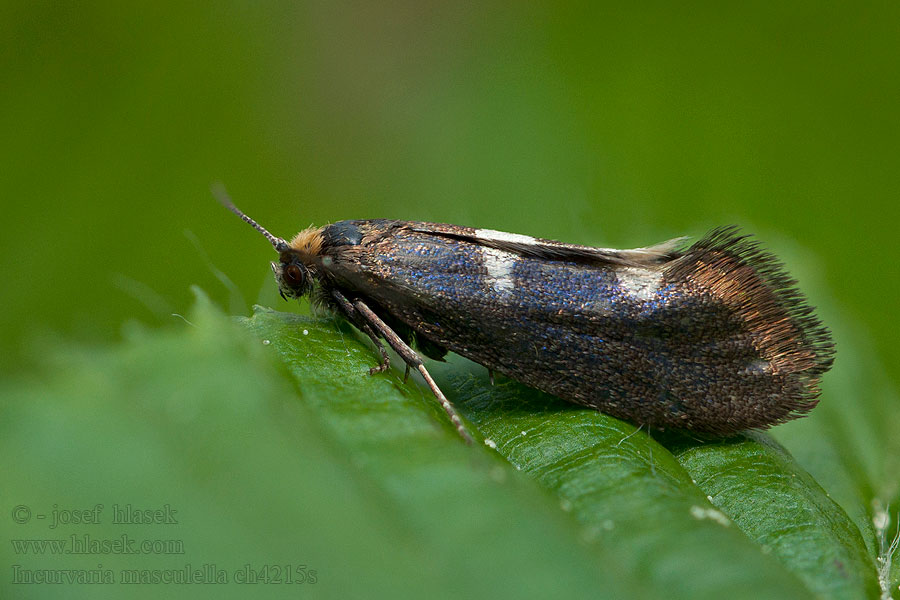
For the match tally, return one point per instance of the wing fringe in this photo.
(734, 268)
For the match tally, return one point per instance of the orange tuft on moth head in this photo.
(308, 243)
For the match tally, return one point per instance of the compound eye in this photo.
(294, 276)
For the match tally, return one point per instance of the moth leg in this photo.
(359, 322)
(491, 375)
(385, 363)
(412, 360)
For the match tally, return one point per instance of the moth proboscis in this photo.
(712, 337)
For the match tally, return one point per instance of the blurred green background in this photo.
(600, 124)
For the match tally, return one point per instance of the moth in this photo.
(712, 337)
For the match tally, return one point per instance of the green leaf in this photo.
(278, 448)
(635, 501)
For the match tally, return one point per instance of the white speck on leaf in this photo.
(698, 512)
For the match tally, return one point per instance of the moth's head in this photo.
(294, 269)
(296, 263)
(292, 276)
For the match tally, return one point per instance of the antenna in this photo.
(218, 190)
